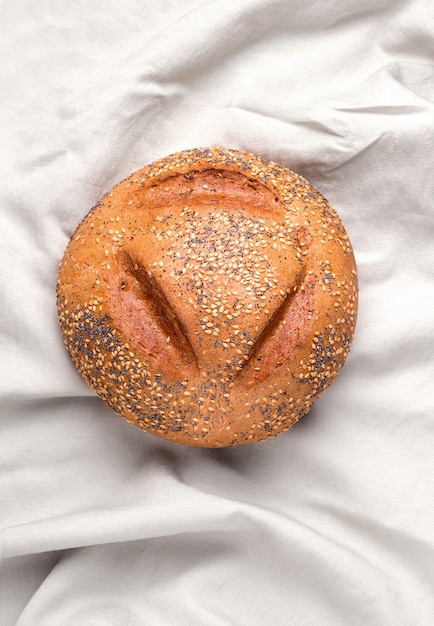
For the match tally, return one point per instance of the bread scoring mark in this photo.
(143, 311)
(285, 331)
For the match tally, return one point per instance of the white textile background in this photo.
(330, 524)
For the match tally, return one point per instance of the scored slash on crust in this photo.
(160, 308)
(279, 337)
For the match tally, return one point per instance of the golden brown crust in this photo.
(210, 298)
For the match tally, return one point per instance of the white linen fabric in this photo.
(329, 524)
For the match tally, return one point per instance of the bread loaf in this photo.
(210, 298)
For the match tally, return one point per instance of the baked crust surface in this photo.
(210, 298)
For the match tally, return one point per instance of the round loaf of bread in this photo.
(210, 298)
